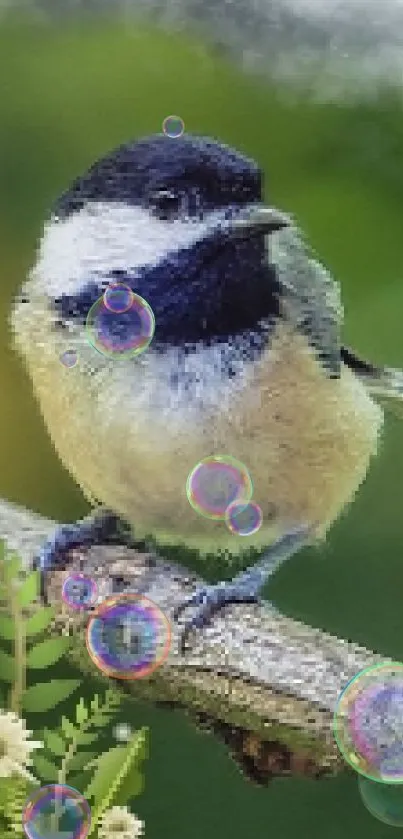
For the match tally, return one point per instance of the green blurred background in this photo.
(68, 95)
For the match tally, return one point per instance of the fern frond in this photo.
(17, 794)
(96, 716)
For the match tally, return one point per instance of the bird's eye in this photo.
(167, 203)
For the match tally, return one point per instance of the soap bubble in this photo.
(122, 732)
(384, 801)
(173, 126)
(79, 592)
(120, 334)
(56, 811)
(128, 636)
(69, 358)
(118, 298)
(368, 723)
(244, 519)
(216, 483)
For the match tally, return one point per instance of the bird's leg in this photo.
(245, 587)
(97, 528)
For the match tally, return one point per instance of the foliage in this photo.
(71, 752)
(21, 628)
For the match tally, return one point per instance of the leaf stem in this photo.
(62, 778)
(82, 727)
(19, 685)
(132, 751)
(71, 751)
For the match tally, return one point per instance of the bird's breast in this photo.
(131, 440)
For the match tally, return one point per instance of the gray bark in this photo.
(265, 683)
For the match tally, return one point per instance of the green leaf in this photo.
(102, 713)
(69, 730)
(29, 589)
(78, 781)
(47, 652)
(45, 768)
(39, 621)
(94, 704)
(112, 769)
(87, 738)
(7, 629)
(7, 667)
(81, 712)
(108, 766)
(54, 743)
(12, 567)
(80, 761)
(131, 786)
(46, 695)
(6, 788)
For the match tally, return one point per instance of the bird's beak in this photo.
(257, 220)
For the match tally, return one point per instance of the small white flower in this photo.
(120, 823)
(15, 746)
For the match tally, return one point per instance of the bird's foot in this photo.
(208, 600)
(98, 528)
(244, 588)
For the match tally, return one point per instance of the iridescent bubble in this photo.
(69, 358)
(216, 483)
(56, 811)
(383, 801)
(128, 636)
(244, 519)
(173, 126)
(368, 723)
(120, 334)
(79, 592)
(118, 298)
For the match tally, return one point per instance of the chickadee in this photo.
(246, 358)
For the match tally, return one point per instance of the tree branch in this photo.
(265, 684)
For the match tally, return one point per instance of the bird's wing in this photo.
(383, 382)
(310, 296)
(310, 299)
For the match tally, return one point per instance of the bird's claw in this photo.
(101, 526)
(208, 600)
(245, 587)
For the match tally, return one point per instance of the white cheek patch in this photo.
(101, 238)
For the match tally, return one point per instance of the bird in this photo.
(246, 360)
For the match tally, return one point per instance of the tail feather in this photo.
(382, 382)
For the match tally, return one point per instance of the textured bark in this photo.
(265, 684)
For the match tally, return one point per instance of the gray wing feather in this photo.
(310, 296)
